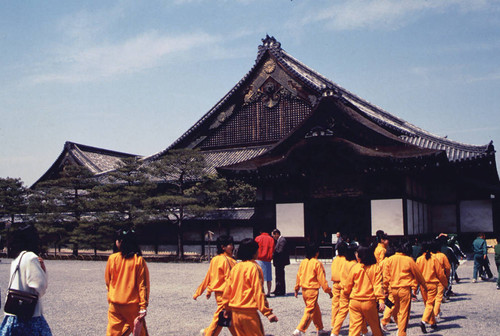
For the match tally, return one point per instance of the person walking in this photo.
(337, 265)
(310, 277)
(215, 281)
(127, 281)
(265, 255)
(480, 250)
(445, 264)
(400, 274)
(434, 275)
(243, 296)
(364, 287)
(281, 258)
(29, 274)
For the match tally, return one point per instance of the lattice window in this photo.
(255, 123)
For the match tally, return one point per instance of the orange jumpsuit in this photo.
(379, 252)
(434, 275)
(344, 298)
(311, 276)
(215, 281)
(388, 312)
(127, 281)
(400, 273)
(364, 286)
(445, 264)
(337, 265)
(243, 297)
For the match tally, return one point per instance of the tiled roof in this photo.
(220, 158)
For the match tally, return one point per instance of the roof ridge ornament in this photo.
(269, 43)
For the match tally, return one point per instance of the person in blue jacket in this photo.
(480, 258)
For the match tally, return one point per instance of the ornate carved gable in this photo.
(271, 105)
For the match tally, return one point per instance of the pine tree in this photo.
(13, 202)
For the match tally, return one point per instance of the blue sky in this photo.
(132, 76)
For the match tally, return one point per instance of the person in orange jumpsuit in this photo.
(400, 273)
(350, 261)
(364, 286)
(337, 265)
(215, 281)
(310, 277)
(381, 249)
(445, 264)
(388, 312)
(434, 275)
(243, 296)
(127, 281)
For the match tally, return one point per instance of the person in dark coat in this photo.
(281, 258)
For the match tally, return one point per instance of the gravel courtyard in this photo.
(75, 304)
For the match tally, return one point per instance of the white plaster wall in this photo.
(387, 215)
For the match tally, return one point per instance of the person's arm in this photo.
(297, 281)
(320, 271)
(36, 277)
(204, 284)
(417, 273)
(107, 273)
(440, 273)
(144, 287)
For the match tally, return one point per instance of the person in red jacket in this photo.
(264, 257)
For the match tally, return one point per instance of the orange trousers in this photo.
(439, 299)
(402, 304)
(336, 287)
(214, 329)
(342, 313)
(388, 312)
(361, 313)
(121, 319)
(247, 322)
(312, 313)
(429, 297)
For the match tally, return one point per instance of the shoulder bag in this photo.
(20, 303)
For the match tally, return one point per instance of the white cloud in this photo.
(145, 51)
(358, 14)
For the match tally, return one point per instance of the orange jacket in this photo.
(346, 269)
(401, 271)
(337, 265)
(217, 274)
(380, 252)
(432, 270)
(443, 261)
(127, 280)
(266, 247)
(311, 275)
(364, 283)
(244, 288)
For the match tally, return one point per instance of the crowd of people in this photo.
(373, 283)
(382, 277)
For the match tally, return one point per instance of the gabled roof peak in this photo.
(269, 43)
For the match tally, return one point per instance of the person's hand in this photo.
(381, 307)
(272, 318)
(225, 314)
(330, 294)
(485, 256)
(208, 295)
(195, 297)
(42, 264)
(296, 293)
(142, 314)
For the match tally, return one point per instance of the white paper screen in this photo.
(387, 215)
(290, 219)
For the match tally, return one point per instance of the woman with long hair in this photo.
(127, 280)
(30, 277)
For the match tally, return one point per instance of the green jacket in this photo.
(497, 253)
(479, 246)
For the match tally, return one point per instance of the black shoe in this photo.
(434, 326)
(422, 326)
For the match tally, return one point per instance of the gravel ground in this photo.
(75, 303)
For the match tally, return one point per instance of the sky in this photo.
(132, 76)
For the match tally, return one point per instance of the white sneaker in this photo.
(474, 280)
(297, 332)
(202, 332)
